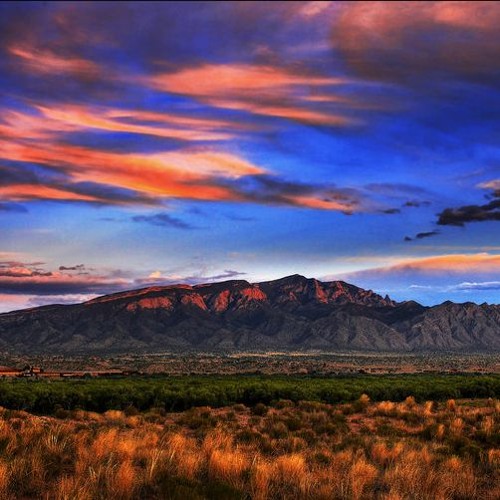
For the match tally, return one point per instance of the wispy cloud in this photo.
(262, 90)
(84, 174)
(485, 285)
(18, 278)
(161, 278)
(163, 220)
(451, 263)
(39, 60)
(421, 236)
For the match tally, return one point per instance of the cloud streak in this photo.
(262, 90)
(83, 174)
(420, 236)
(163, 220)
(18, 278)
(482, 263)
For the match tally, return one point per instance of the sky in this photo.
(157, 143)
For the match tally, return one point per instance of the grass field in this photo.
(310, 450)
(251, 437)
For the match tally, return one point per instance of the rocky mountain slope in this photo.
(292, 313)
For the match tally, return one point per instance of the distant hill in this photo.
(292, 313)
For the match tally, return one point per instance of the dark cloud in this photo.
(240, 218)
(12, 173)
(163, 220)
(391, 211)
(416, 204)
(78, 267)
(427, 234)
(58, 287)
(420, 236)
(272, 190)
(471, 213)
(109, 195)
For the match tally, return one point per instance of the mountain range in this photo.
(292, 313)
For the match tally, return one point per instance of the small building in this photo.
(31, 371)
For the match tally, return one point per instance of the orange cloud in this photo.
(219, 79)
(402, 40)
(44, 61)
(452, 263)
(456, 263)
(29, 282)
(22, 192)
(322, 204)
(283, 111)
(50, 122)
(258, 89)
(89, 175)
(198, 174)
(18, 125)
(185, 174)
(138, 122)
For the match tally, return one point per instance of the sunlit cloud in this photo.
(261, 90)
(419, 40)
(195, 174)
(44, 61)
(273, 112)
(313, 9)
(45, 122)
(17, 278)
(185, 174)
(453, 263)
(212, 80)
(139, 122)
(493, 184)
(26, 192)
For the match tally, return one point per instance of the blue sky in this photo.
(155, 143)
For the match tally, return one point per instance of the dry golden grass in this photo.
(384, 455)
(457, 426)
(361, 476)
(261, 476)
(386, 451)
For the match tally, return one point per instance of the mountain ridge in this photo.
(291, 313)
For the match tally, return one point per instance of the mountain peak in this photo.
(293, 278)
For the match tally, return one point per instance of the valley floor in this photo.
(319, 363)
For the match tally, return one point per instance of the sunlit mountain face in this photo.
(147, 144)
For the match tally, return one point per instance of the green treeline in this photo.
(181, 393)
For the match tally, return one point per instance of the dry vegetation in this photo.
(267, 363)
(386, 450)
